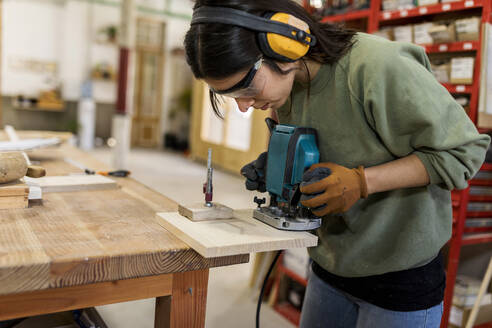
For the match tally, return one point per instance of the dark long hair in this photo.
(217, 51)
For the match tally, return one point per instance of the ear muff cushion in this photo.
(265, 47)
(281, 47)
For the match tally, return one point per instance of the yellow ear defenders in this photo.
(281, 36)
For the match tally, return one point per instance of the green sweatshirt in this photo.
(380, 102)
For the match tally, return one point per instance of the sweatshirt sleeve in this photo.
(413, 113)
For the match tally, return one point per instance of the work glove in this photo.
(329, 188)
(254, 173)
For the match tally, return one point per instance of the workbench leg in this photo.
(187, 304)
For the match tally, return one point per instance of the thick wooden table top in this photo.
(77, 238)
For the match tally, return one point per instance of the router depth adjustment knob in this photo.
(259, 201)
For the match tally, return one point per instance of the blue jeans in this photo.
(327, 307)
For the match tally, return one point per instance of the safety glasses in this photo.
(251, 85)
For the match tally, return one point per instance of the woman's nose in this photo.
(244, 104)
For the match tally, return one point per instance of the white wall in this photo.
(30, 33)
(64, 32)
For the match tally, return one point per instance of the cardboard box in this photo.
(484, 120)
(441, 71)
(406, 4)
(443, 32)
(466, 285)
(385, 32)
(469, 300)
(421, 33)
(459, 316)
(398, 4)
(468, 29)
(390, 4)
(462, 70)
(426, 2)
(403, 33)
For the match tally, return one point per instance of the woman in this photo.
(393, 143)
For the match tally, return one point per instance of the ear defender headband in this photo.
(281, 36)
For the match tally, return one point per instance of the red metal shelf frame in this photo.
(451, 47)
(291, 274)
(458, 88)
(284, 308)
(289, 312)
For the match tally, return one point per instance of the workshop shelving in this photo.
(458, 88)
(434, 9)
(465, 231)
(357, 14)
(451, 47)
(463, 235)
(283, 307)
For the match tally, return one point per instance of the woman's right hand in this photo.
(254, 173)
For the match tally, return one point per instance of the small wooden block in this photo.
(16, 188)
(34, 171)
(14, 195)
(200, 212)
(13, 202)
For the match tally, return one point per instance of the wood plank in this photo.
(14, 202)
(200, 212)
(240, 235)
(187, 305)
(15, 188)
(74, 183)
(71, 298)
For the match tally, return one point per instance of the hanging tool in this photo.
(291, 151)
(207, 186)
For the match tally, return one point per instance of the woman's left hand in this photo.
(329, 188)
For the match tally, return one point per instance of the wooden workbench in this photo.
(83, 249)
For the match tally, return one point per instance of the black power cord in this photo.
(260, 299)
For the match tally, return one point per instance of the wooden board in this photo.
(241, 235)
(13, 202)
(14, 195)
(74, 183)
(200, 212)
(16, 188)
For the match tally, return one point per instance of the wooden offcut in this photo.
(240, 235)
(14, 195)
(75, 183)
(35, 171)
(200, 212)
(16, 188)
